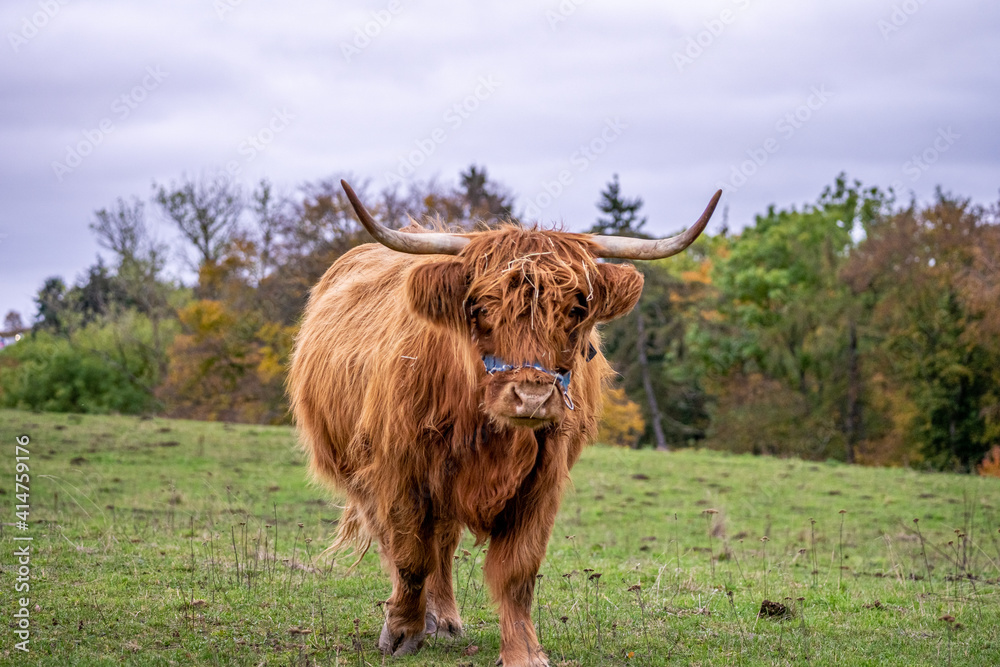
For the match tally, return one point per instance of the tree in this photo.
(52, 312)
(621, 215)
(205, 211)
(96, 294)
(298, 240)
(781, 292)
(979, 290)
(481, 198)
(921, 270)
(227, 364)
(648, 347)
(621, 422)
(267, 216)
(477, 201)
(12, 322)
(122, 229)
(642, 341)
(139, 262)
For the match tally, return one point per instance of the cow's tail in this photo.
(352, 535)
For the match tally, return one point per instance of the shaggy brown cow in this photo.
(442, 393)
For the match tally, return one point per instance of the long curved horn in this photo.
(430, 243)
(624, 247)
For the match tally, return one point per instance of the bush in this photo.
(621, 423)
(102, 368)
(990, 467)
(227, 365)
(759, 415)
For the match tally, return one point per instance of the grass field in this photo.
(159, 542)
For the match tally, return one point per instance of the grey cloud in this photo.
(560, 81)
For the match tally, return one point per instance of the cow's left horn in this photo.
(624, 247)
(430, 243)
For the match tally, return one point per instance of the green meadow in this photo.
(165, 542)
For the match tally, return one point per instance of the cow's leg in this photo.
(517, 547)
(410, 558)
(442, 612)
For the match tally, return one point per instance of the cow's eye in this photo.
(479, 317)
(578, 314)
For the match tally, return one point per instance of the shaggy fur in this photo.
(396, 410)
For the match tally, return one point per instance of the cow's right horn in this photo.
(430, 243)
(624, 247)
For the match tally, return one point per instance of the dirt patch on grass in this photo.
(770, 609)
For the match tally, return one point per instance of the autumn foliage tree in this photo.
(621, 423)
(923, 271)
(227, 365)
(228, 361)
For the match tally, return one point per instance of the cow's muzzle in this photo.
(526, 396)
(558, 379)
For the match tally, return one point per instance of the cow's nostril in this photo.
(533, 395)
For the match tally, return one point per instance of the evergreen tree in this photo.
(482, 198)
(13, 323)
(51, 302)
(647, 346)
(621, 215)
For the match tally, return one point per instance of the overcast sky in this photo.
(769, 99)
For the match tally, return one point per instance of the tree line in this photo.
(857, 328)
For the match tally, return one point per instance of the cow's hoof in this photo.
(537, 660)
(443, 628)
(398, 643)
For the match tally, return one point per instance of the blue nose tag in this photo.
(498, 365)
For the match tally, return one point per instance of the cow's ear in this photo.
(618, 289)
(437, 291)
